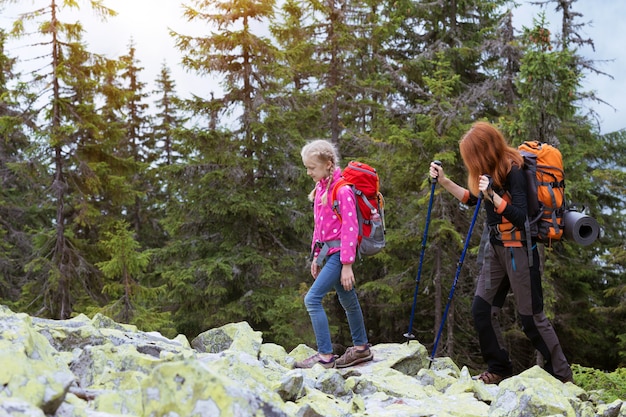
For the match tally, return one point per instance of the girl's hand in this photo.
(347, 277)
(315, 268)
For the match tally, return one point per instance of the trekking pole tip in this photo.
(431, 359)
(409, 337)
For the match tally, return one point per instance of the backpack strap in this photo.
(324, 248)
(358, 194)
(333, 195)
(550, 186)
(513, 237)
(360, 218)
(529, 242)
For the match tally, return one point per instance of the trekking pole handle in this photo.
(433, 180)
(480, 194)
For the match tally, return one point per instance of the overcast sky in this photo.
(147, 22)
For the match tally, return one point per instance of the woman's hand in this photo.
(347, 277)
(436, 172)
(484, 185)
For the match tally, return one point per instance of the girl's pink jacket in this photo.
(328, 226)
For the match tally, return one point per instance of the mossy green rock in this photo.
(29, 366)
(99, 368)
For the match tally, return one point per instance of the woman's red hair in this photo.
(485, 151)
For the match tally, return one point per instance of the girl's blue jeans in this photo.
(328, 279)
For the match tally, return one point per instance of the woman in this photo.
(333, 253)
(496, 170)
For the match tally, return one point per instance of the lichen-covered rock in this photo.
(192, 389)
(407, 358)
(19, 408)
(99, 368)
(318, 403)
(615, 409)
(272, 353)
(465, 383)
(235, 336)
(299, 353)
(533, 393)
(80, 331)
(29, 367)
(291, 386)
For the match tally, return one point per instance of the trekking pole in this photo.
(433, 181)
(456, 277)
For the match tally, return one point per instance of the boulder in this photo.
(99, 368)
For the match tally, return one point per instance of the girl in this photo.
(495, 169)
(333, 252)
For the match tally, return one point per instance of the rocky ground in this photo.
(99, 368)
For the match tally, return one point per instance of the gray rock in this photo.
(98, 368)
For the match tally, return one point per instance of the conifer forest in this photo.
(180, 213)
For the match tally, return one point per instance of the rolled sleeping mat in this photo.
(580, 228)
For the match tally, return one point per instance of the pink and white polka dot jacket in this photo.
(327, 224)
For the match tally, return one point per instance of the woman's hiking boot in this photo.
(489, 378)
(315, 359)
(354, 356)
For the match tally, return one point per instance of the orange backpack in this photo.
(545, 178)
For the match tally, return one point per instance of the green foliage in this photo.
(198, 215)
(20, 191)
(548, 82)
(68, 132)
(288, 333)
(130, 301)
(122, 248)
(609, 386)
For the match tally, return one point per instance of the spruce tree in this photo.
(20, 192)
(232, 239)
(138, 147)
(168, 120)
(130, 300)
(68, 125)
